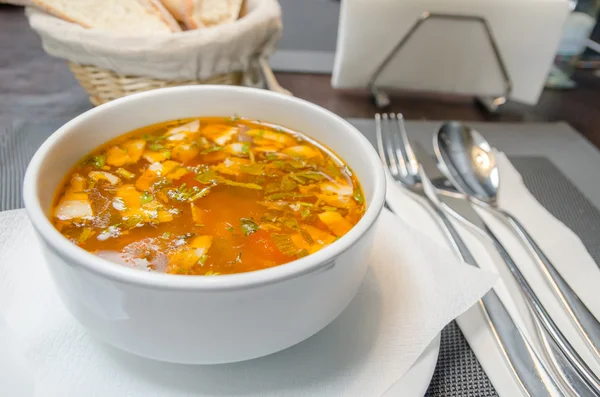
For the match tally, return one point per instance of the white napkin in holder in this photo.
(450, 56)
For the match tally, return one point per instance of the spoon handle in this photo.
(582, 371)
(582, 318)
(527, 368)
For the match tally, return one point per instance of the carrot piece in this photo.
(156, 157)
(116, 156)
(185, 152)
(335, 222)
(134, 149)
(319, 235)
(196, 214)
(301, 151)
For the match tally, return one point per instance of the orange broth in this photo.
(208, 196)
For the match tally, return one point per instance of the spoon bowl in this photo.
(468, 161)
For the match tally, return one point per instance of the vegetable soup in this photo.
(208, 196)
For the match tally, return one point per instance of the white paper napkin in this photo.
(413, 288)
(560, 244)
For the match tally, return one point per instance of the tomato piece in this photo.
(262, 242)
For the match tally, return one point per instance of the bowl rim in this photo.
(313, 263)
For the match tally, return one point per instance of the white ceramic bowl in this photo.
(195, 319)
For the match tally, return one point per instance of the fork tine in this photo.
(411, 159)
(380, 144)
(396, 146)
(391, 160)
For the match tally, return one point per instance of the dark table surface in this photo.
(35, 84)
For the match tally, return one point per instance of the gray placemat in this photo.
(458, 373)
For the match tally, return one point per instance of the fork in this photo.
(397, 155)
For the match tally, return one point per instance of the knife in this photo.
(526, 366)
(518, 353)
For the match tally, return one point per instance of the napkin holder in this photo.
(451, 52)
(491, 104)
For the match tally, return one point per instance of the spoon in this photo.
(469, 162)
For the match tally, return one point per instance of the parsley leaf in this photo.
(98, 161)
(212, 149)
(358, 197)
(146, 197)
(248, 226)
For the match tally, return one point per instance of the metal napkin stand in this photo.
(382, 100)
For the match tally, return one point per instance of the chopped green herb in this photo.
(245, 147)
(358, 197)
(302, 253)
(287, 184)
(133, 221)
(211, 273)
(233, 118)
(332, 170)
(271, 188)
(182, 193)
(167, 154)
(307, 237)
(202, 193)
(291, 195)
(166, 235)
(240, 184)
(230, 228)
(248, 226)
(202, 259)
(153, 138)
(290, 223)
(161, 183)
(207, 177)
(271, 156)
(330, 209)
(124, 173)
(305, 212)
(155, 146)
(210, 177)
(252, 169)
(284, 243)
(146, 197)
(261, 133)
(212, 149)
(269, 217)
(312, 175)
(298, 179)
(187, 236)
(98, 161)
(85, 234)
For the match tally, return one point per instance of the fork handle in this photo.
(526, 366)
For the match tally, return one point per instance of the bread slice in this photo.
(195, 14)
(139, 17)
(180, 9)
(216, 12)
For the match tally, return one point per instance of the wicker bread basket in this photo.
(109, 66)
(104, 85)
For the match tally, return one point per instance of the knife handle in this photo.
(528, 369)
(572, 362)
(582, 318)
